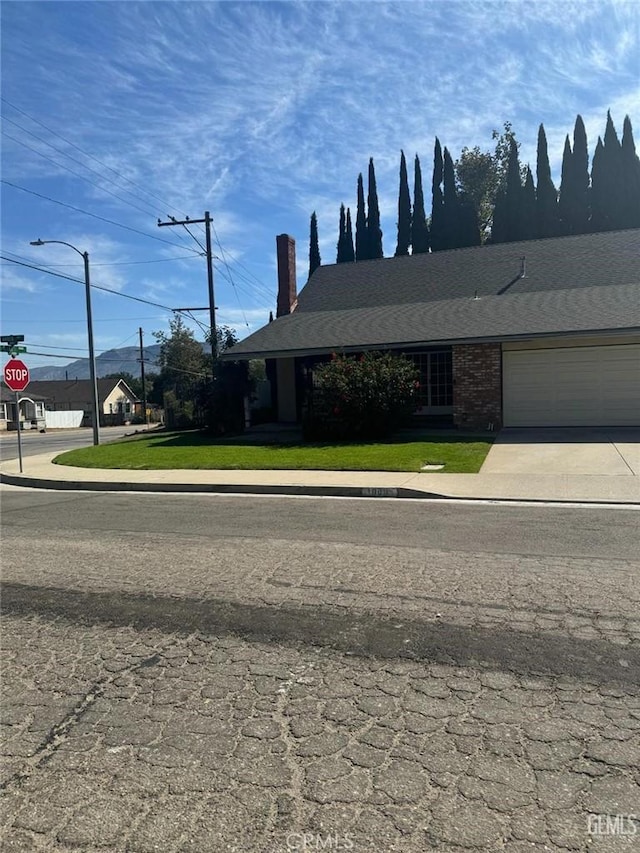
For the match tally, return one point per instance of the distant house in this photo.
(537, 333)
(116, 400)
(32, 409)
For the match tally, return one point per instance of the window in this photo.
(127, 408)
(3, 411)
(39, 410)
(436, 379)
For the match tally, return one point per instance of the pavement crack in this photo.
(59, 733)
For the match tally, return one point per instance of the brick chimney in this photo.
(287, 287)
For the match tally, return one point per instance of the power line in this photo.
(126, 263)
(80, 281)
(94, 215)
(148, 210)
(85, 153)
(118, 361)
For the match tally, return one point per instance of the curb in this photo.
(220, 488)
(309, 491)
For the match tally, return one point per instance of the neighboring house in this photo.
(116, 400)
(32, 409)
(537, 333)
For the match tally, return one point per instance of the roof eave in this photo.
(525, 336)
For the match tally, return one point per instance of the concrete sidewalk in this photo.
(621, 487)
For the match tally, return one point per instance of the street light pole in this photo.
(92, 355)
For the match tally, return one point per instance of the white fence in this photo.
(63, 420)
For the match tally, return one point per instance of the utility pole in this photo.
(144, 387)
(212, 307)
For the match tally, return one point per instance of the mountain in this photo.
(124, 360)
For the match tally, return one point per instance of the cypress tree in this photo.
(529, 219)
(437, 204)
(450, 207)
(419, 229)
(607, 182)
(469, 222)
(547, 224)
(631, 174)
(314, 249)
(361, 225)
(373, 219)
(617, 189)
(499, 219)
(565, 202)
(342, 235)
(599, 189)
(513, 196)
(404, 210)
(580, 179)
(350, 255)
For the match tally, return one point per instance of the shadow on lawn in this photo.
(275, 441)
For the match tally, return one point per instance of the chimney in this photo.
(287, 288)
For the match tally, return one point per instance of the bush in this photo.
(364, 397)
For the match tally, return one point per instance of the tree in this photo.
(342, 236)
(420, 241)
(478, 181)
(565, 202)
(599, 189)
(513, 196)
(404, 210)
(529, 210)
(607, 182)
(362, 247)
(631, 171)
(574, 200)
(350, 254)
(314, 249)
(450, 206)
(185, 370)
(374, 232)
(547, 220)
(580, 201)
(437, 229)
(482, 179)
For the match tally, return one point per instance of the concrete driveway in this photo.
(569, 450)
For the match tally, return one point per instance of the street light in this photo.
(92, 355)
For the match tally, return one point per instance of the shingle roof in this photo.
(576, 285)
(72, 391)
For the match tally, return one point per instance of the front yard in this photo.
(458, 454)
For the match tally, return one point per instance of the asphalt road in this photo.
(58, 441)
(212, 673)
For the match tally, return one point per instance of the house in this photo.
(117, 402)
(537, 333)
(31, 405)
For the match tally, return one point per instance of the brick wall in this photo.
(477, 386)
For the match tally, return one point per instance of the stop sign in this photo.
(16, 375)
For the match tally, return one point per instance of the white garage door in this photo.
(572, 386)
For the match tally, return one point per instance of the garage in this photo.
(572, 386)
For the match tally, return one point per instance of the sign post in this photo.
(16, 377)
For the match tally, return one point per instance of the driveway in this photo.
(569, 450)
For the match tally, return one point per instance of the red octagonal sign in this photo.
(16, 375)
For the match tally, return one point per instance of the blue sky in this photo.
(260, 113)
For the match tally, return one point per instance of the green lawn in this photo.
(460, 454)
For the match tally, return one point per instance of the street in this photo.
(218, 673)
(34, 442)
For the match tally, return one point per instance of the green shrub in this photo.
(363, 397)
